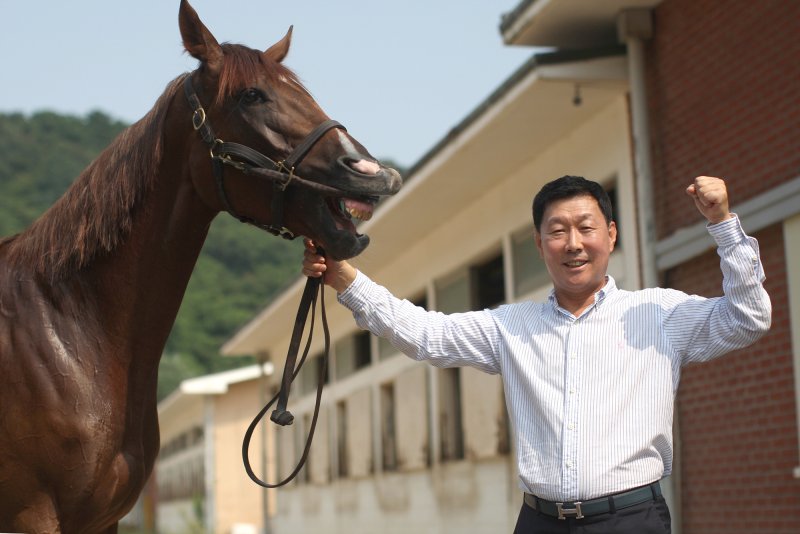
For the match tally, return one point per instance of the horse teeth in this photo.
(358, 214)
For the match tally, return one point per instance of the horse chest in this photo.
(69, 425)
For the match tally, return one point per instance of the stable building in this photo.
(641, 96)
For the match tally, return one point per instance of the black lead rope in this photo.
(281, 416)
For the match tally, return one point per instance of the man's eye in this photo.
(253, 96)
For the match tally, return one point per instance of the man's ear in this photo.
(612, 233)
(537, 238)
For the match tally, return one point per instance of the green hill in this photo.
(239, 269)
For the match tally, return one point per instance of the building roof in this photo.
(527, 113)
(566, 23)
(212, 384)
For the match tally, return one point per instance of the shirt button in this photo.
(571, 426)
(569, 464)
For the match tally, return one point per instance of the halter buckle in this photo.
(238, 165)
(198, 118)
(288, 171)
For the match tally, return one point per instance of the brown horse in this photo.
(89, 293)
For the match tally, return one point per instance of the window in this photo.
(308, 379)
(181, 466)
(488, 284)
(352, 354)
(529, 270)
(452, 295)
(388, 428)
(479, 287)
(451, 432)
(341, 439)
(301, 427)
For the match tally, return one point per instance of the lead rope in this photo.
(308, 302)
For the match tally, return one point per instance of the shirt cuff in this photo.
(356, 293)
(728, 232)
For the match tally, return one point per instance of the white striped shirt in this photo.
(590, 397)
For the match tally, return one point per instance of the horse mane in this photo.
(96, 212)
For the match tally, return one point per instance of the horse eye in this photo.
(253, 96)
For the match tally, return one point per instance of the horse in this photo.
(90, 291)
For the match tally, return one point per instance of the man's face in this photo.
(575, 242)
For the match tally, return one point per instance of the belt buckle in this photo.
(563, 512)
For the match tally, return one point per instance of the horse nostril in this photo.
(363, 166)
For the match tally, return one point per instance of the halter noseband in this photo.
(253, 162)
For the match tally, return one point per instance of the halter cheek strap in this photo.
(253, 162)
(281, 173)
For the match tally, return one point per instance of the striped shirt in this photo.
(590, 397)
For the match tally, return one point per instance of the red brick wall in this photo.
(724, 99)
(737, 417)
(723, 82)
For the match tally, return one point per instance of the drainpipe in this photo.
(634, 26)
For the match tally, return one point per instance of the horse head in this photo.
(287, 167)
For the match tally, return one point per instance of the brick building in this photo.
(722, 98)
(641, 95)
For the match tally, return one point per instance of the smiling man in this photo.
(590, 375)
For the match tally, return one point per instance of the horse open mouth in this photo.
(348, 211)
(336, 230)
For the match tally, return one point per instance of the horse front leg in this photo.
(39, 517)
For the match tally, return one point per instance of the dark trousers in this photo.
(650, 517)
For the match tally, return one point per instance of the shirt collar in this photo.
(610, 287)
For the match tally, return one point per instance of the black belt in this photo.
(602, 505)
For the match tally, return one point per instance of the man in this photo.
(590, 375)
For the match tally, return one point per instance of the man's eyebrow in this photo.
(555, 219)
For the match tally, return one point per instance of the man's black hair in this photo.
(568, 187)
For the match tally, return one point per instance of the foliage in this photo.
(239, 269)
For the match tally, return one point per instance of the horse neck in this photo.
(140, 285)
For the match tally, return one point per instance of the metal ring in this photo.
(214, 145)
(202, 114)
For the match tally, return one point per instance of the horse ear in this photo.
(197, 40)
(279, 50)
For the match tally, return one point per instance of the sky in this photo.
(399, 74)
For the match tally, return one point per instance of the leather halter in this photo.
(252, 162)
(281, 173)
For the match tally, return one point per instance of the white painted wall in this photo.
(478, 494)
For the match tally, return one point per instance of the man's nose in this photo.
(574, 241)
